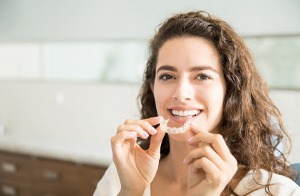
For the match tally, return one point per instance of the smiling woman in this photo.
(200, 71)
(193, 80)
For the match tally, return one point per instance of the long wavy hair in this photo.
(251, 124)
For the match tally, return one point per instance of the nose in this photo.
(183, 91)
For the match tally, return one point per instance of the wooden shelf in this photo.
(24, 175)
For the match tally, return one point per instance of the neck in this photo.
(172, 164)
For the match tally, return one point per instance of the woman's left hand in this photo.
(211, 164)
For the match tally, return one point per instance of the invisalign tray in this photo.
(173, 130)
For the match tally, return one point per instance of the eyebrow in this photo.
(166, 68)
(193, 69)
(203, 67)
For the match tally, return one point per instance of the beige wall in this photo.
(35, 20)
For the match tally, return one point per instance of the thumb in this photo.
(155, 143)
(189, 134)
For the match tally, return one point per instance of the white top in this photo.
(109, 185)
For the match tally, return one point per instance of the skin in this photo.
(188, 77)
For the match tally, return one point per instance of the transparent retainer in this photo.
(173, 130)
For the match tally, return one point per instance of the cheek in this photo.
(158, 96)
(217, 105)
(161, 97)
(219, 99)
(214, 100)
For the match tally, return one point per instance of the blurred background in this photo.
(70, 72)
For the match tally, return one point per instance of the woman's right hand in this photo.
(136, 167)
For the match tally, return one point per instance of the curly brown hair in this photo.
(248, 114)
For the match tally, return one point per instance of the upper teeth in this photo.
(185, 112)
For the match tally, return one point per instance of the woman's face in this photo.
(189, 83)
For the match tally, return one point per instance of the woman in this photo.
(200, 75)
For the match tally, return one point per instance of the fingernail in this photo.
(209, 181)
(133, 133)
(158, 118)
(187, 161)
(190, 140)
(146, 134)
(193, 124)
(153, 130)
(184, 161)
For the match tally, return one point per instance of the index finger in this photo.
(154, 120)
(215, 140)
(145, 124)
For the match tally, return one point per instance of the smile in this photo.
(185, 113)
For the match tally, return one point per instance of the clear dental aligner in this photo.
(173, 130)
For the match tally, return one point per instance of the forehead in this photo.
(188, 51)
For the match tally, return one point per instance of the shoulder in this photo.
(109, 183)
(279, 185)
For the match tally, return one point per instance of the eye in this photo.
(165, 77)
(203, 76)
